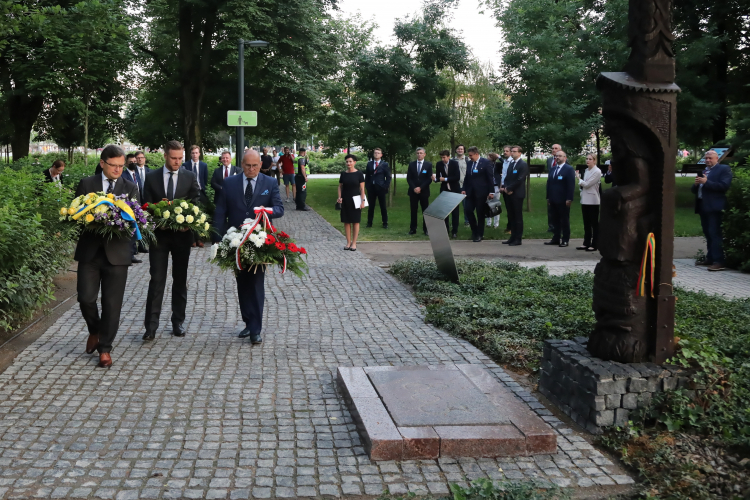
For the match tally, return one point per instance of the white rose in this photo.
(189, 219)
(206, 226)
(165, 214)
(184, 205)
(180, 219)
(177, 210)
(202, 219)
(196, 210)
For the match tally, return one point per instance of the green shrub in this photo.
(484, 489)
(736, 225)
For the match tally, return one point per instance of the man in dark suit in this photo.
(102, 261)
(710, 189)
(142, 169)
(551, 162)
(609, 177)
(200, 169)
(241, 194)
(561, 181)
(55, 173)
(514, 190)
(130, 173)
(479, 186)
(220, 173)
(419, 176)
(170, 182)
(448, 174)
(377, 183)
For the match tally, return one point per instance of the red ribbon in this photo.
(261, 216)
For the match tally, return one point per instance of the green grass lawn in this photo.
(322, 193)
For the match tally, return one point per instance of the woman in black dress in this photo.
(351, 184)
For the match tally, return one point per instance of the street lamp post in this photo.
(241, 90)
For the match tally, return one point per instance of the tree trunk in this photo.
(23, 110)
(598, 149)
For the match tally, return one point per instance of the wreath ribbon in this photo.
(125, 211)
(261, 217)
(649, 253)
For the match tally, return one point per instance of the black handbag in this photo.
(337, 206)
(494, 207)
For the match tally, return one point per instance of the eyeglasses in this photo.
(114, 166)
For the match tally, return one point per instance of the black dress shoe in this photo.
(412, 231)
(582, 247)
(255, 338)
(149, 336)
(563, 244)
(507, 242)
(135, 260)
(426, 233)
(244, 333)
(591, 249)
(477, 239)
(552, 242)
(385, 225)
(514, 243)
(304, 209)
(369, 224)
(178, 331)
(454, 236)
(550, 229)
(143, 250)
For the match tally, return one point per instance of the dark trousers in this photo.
(560, 221)
(711, 224)
(454, 220)
(178, 244)
(550, 218)
(377, 194)
(476, 202)
(301, 193)
(112, 279)
(507, 199)
(590, 225)
(252, 294)
(422, 199)
(514, 206)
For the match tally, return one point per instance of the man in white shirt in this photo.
(200, 169)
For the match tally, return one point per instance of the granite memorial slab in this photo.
(427, 412)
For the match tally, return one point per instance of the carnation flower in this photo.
(202, 219)
(71, 211)
(196, 210)
(231, 230)
(63, 211)
(234, 243)
(263, 234)
(302, 251)
(111, 196)
(184, 205)
(258, 228)
(89, 218)
(206, 226)
(177, 210)
(180, 219)
(189, 219)
(165, 214)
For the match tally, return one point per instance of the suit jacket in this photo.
(117, 249)
(560, 188)
(202, 172)
(48, 177)
(515, 178)
(420, 179)
(550, 162)
(590, 186)
(609, 177)
(480, 178)
(135, 178)
(231, 210)
(452, 172)
(217, 178)
(715, 189)
(381, 178)
(186, 188)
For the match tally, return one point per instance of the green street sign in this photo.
(242, 118)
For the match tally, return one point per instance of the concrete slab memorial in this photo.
(427, 412)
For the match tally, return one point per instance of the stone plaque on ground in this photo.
(426, 412)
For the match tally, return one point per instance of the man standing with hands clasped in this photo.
(103, 262)
(237, 202)
(170, 182)
(479, 186)
(514, 190)
(377, 183)
(710, 189)
(561, 181)
(419, 176)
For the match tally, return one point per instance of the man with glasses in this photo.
(170, 182)
(561, 180)
(103, 262)
(710, 189)
(241, 194)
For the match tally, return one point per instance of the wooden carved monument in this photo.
(636, 324)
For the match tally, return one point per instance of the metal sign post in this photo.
(434, 219)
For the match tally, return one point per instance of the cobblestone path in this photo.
(210, 416)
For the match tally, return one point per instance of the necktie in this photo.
(111, 187)
(419, 166)
(249, 192)
(376, 168)
(226, 171)
(170, 187)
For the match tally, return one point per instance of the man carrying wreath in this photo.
(103, 261)
(237, 201)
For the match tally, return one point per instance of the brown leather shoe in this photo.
(91, 343)
(716, 267)
(105, 360)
